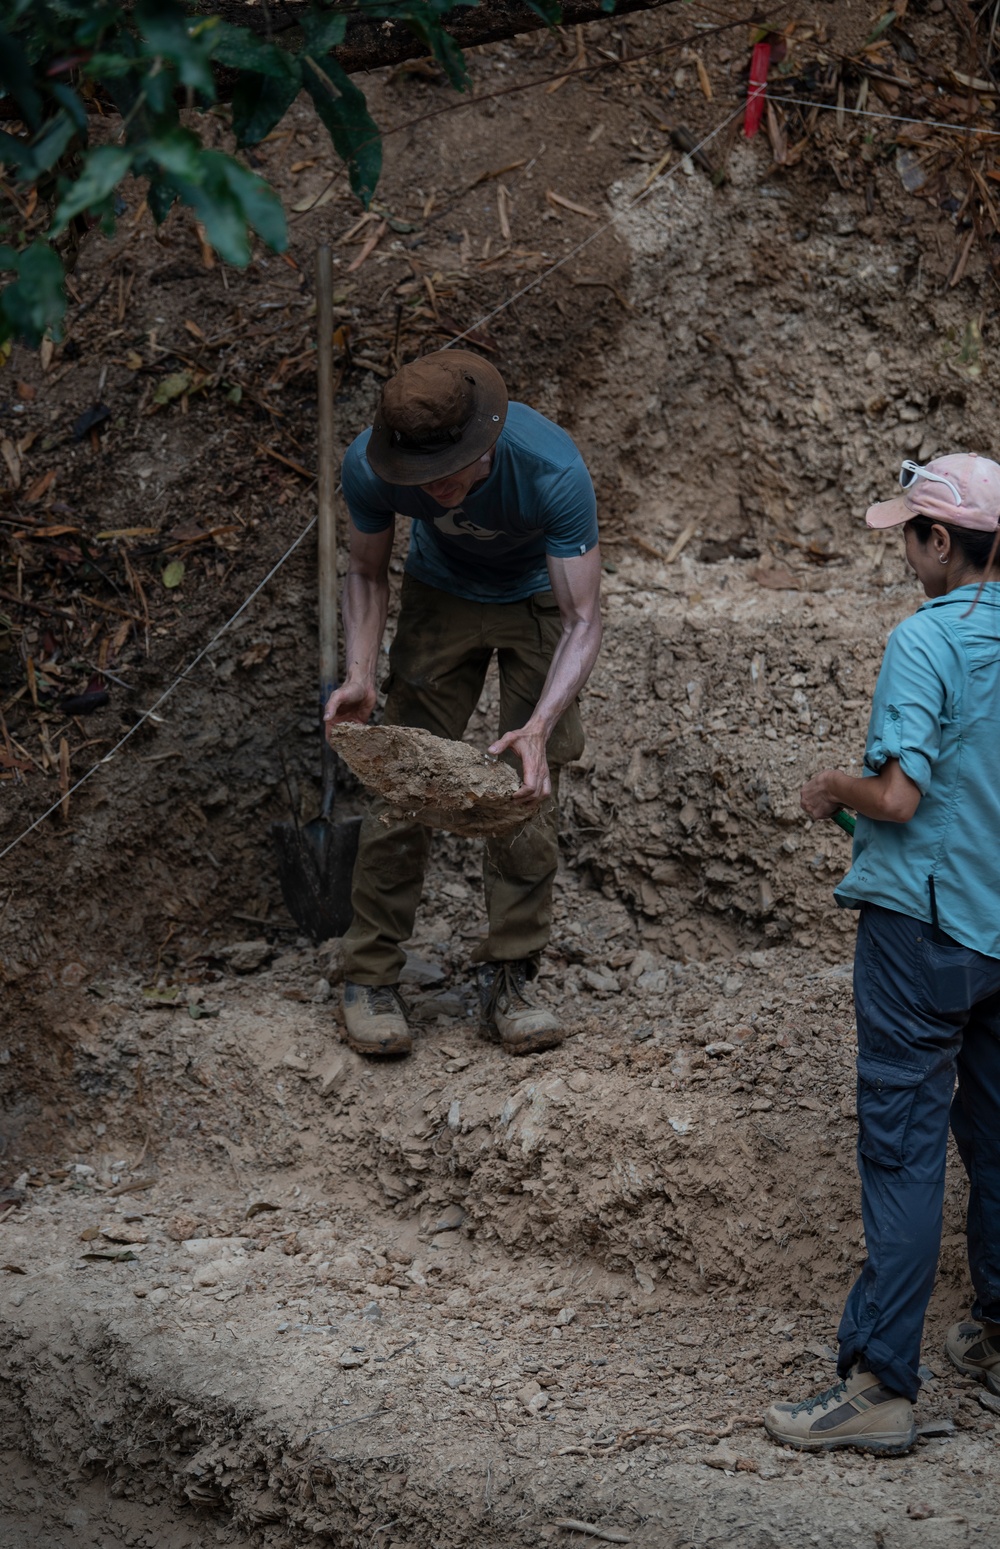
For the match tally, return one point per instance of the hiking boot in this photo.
(976, 1352)
(856, 1412)
(375, 1017)
(510, 1009)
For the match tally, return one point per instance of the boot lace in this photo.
(807, 1405)
(508, 986)
(385, 1000)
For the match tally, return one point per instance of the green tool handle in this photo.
(845, 820)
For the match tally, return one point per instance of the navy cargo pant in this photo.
(927, 1009)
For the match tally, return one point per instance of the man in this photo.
(503, 557)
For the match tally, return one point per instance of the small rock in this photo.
(681, 1126)
(565, 1315)
(295, 1062)
(449, 1219)
(123, 1231)
(578, 1081)
(453, 1379)
(714, 1049)
(654, 981)
(444, 1242)
(532, 1397)
(334, 1069)
(444, 1005)
(642, 1033)
(721, 1457)
(373, 1312)
(989, 1401)
(600, 983)
(417, 971)
(321, 991)
(352, 1358)
(245, 957)
(761, 1105)
(732, 986)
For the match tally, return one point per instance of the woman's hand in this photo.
(816, 798)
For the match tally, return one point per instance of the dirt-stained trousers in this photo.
(437, 667)
(928, 1009)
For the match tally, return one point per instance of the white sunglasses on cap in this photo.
(911, 472)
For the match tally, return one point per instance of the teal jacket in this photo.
(937, 710)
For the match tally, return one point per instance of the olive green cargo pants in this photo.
(437, 668)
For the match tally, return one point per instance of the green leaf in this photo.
(882, 25)
(186, 42)
(239, 49)
(36, 299)
(167, 390)
(162, 198)
(258, 200)
(50, 142)
(342, 108)
(322, 30)
(103, 169)
(222, 217)
(260, 102)
(16, 79)
(178, 153)
(173, 575)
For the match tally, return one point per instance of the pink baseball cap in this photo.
(962, 488)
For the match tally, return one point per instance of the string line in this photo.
(151, 712)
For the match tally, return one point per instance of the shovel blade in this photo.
(315, 868)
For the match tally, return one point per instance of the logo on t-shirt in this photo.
(455, 524)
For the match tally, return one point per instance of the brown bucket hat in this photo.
(437, 415)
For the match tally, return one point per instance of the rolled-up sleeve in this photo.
(908, 706)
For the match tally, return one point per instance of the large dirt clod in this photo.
(440, 783)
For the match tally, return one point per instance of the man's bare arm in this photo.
(365, 606)
(576, 584)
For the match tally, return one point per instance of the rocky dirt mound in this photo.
(443, 784)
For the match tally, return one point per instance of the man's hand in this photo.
(352, 702)
(815, 797)
(528, 743)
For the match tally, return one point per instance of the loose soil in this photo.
(443, 784)
(259, 1292)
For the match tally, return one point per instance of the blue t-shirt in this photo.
(937, 710)
(537, 500)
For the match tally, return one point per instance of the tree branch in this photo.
(368, 45)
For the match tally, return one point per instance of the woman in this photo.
(926, 877)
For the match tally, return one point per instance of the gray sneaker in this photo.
(856, 1412)
(375, 1018)
(510, 1009)
(975, 1352)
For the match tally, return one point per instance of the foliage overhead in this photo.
(130, 69)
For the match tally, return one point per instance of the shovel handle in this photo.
(845, 820)
(326, 522)
(326, 516)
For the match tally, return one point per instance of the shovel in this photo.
(316, 863)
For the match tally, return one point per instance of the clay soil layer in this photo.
(256, 1291)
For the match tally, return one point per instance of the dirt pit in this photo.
(258, 1292)
(441, 784)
